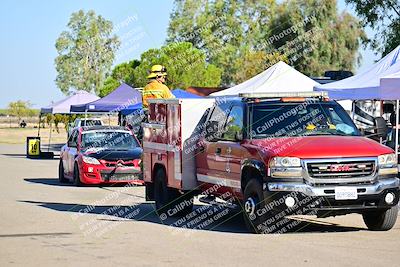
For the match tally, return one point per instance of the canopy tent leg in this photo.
(40, 119)
(353, 109)
(397, 129)
(51, 123)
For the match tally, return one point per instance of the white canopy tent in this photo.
(63, 106)
(367, 85)
(380, 82)
(278, 78)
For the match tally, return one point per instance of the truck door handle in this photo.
(201, 149)
(218, 151)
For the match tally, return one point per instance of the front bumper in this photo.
(322, 198)
(327, 191)
(99, 174)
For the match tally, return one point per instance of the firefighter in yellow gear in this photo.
(156, 87)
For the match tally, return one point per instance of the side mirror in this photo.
(211, 130)
(72, 144)
(238, 136)
(381, 128)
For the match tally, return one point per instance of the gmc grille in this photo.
(345, 169)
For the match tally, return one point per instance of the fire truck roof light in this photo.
(293, 99)
(284, 94)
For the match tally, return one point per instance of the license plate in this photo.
(121, 177)
(344, 193)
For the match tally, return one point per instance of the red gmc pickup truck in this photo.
(275, 155)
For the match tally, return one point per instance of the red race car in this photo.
(101, 155)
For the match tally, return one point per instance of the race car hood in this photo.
(309, 147)
(114, 155)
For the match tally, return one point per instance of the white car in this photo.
(79, 122)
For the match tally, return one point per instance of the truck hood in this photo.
(114, 155)
(309, 147)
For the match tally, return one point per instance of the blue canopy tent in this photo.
(115, 101)
(178, 93)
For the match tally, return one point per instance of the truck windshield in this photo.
(108, 140)
(300, 119)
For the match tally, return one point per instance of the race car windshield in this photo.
(300, 119)
(113, 140)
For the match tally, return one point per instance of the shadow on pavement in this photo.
(47, 181)
(18, 155)
(223, 219)
(55, 182)
(52, 147)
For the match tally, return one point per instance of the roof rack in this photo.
(284, 94)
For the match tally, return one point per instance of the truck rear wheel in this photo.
(169, 201)
(381, 220)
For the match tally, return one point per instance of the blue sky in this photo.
(29, 29)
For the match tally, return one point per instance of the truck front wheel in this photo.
(381, 220)
(253, 202)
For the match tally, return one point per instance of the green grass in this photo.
(3, 111)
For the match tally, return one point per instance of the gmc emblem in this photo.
(339, 168)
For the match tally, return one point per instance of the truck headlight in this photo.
(285, 162)
(90, 160)
(387, 164)
(285, 167)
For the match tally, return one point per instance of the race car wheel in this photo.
(77, 177)
(61, 176)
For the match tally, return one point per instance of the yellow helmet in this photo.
(157, 71)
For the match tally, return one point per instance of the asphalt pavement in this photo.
(44, 223)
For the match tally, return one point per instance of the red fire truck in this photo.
(276, 154)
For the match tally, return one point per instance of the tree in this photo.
(223, 29)
(85, 52)
(19, 109)
(384, 17)
(122, 73)
(255, 62)
(314, 37)
(233, 33)
(186, 66)
(110, 84)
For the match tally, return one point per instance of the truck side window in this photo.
(234, 123)
(218, 117)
